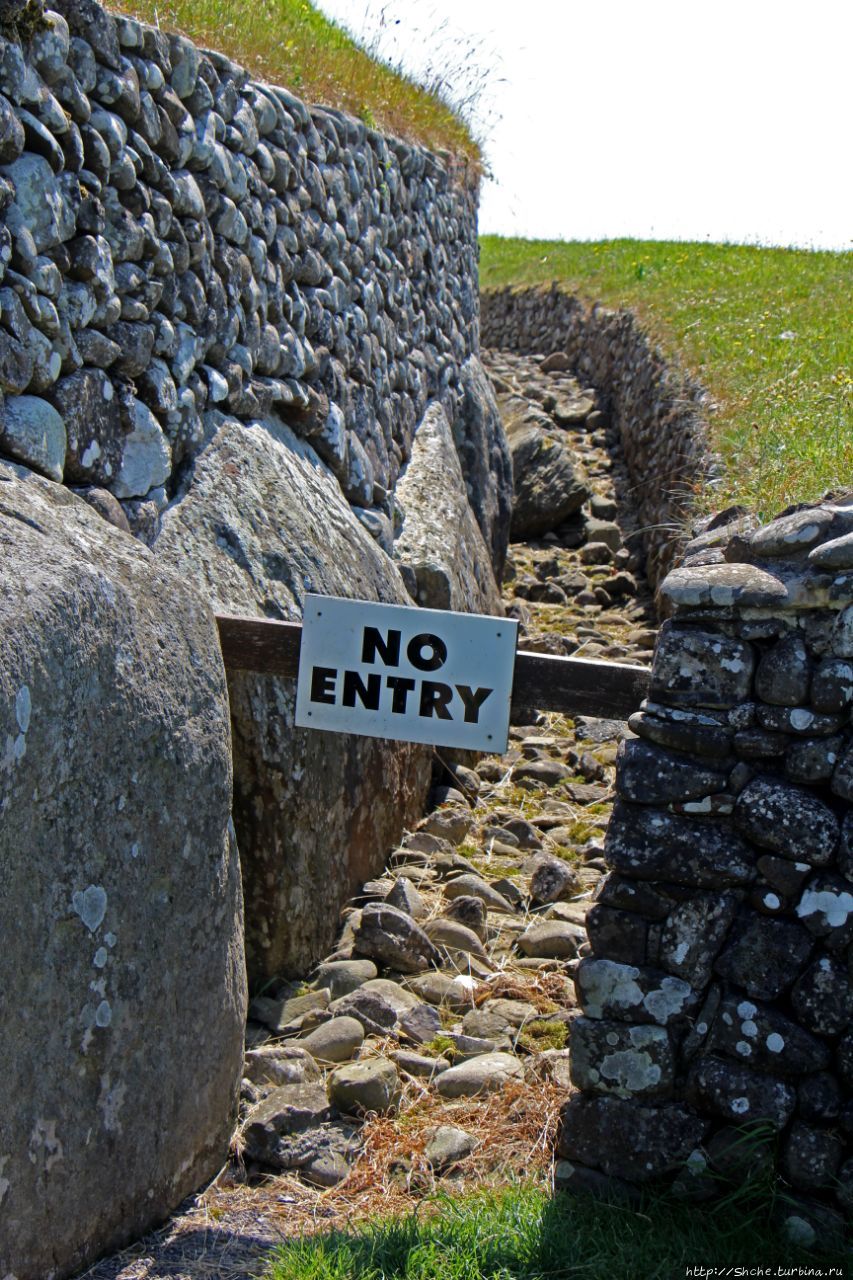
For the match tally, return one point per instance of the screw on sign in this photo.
(417, 675)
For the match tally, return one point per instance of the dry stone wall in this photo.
(230, 324)
(181, 245)
(225, 320)
(658, 412)
(718, 992)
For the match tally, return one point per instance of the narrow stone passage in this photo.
(429, 1049)
(577, 587)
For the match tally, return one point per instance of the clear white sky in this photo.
(665, 119)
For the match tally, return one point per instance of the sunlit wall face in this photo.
(662, 120)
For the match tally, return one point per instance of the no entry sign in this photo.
(417, 675)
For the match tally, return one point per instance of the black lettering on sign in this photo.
(415, 653)
(472, 700)
(354, 687)
(434, 700)
(323, 684)
(400, 687)
(388, 649)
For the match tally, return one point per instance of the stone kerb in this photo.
(718, 989)
(224, 315)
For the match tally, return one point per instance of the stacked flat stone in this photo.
(657, 411)
(180, 245)
(718, 992)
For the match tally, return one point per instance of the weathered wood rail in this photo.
(574, 686)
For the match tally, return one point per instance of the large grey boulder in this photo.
(263, 521)
(120, 909)
(481, 444)
(440, 547)
(550, 484)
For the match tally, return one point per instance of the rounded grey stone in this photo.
(39, 199)
(723, 586)
(483, 1074)
(448, 1145)
(360, 1087)
(783, 674)
(280, 1064)
(468, 911)
(790, 820)
(344, 976)
(455, 936)
(471, 886)
(146, 458)
(552, 940)
(439, 989)
(400, 1000)
(392, 938)
(33, 433)
(737, 1095)
(627, 1061)
(419, 1064)
(695, 668)
(334, 1041)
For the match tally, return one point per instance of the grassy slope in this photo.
(521, 1234)
(784, 426)
(289, 42)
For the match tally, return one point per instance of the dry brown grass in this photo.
(288, 42)
(545, 991)
(227, 1230)
(515, 1131)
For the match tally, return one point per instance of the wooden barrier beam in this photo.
(261, 645)
(574, 686)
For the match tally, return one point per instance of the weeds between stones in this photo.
(515, 1125)
(230, 1228)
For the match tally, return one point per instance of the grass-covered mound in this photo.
(767, 331)
(289, 42)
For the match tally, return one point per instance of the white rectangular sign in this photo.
(417, 675)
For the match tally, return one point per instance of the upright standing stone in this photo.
(264, 521)
(124, 995)
(440, 548)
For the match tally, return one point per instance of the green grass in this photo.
(539, 1035)
(521, 1234)
(784, 423)
(289, 42)
(441, 1045)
